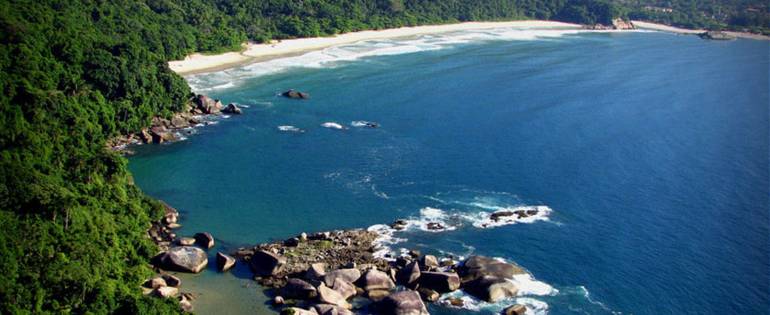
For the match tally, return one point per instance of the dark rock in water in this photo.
(224, 262)
(204, 239)
(409, 275)
(402, 261)
(441, 282)
(516, 309)
(399, 224)
(206, 105)
(500, 214)
(479, 266)
(172, 281)
(232, 109)
(166, 292)
(435, 226)
(428, 294)
(414, 253)
(265, 263)
(402, 303)
(298, 289)
(291, 242)
(295, 94)
(328, 309)
(458, 302)
(490, 288)
(349, 274)
(376, 280)
(184, 259)
(716, 35)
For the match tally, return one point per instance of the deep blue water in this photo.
(651, 149)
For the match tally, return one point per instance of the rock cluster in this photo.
(617, 24)
(336, 273)
(716, 35)
(295, 94)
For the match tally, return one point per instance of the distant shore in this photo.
(199, 63)
(678, 30)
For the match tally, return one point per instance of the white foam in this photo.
(332, 125)
(527, 286)
(431, 216)
(288, 128)
(384, 241)
(362, 123)
(484, 219)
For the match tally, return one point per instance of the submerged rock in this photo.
(295, 94)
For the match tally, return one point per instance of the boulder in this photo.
(316, 272)
(409, 275)
(186, 306)
(265, 263)
(298, 289)
(179, 121)
(490, 288)
(160, 134)
(345, 288)
(206, 105)
(204, 239)
(186, 241)
(145, 135)
(428, 294)
(184, 259)
(620, 24)
(172, 281)
(516, 309)
(435, 226)
(224, 262)
(348, 274)
(441, 282)
(155, 283)
(166, 292)
(479, 266)
(716, 35)
(295, 94)
(232, 109)
(328, 309)
(329, 296)
(377, 295)
(428, 262)
(298, 311)
(402, 303)
(376, 280)
(278, 300)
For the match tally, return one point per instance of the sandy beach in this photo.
(252, 52)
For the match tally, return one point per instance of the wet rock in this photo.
(172, 281)
(428, 294)
(399, 224)
(435, 226)
(414, 253)
(409, 275)
(377, 295)
(428, 262)
(155, 283)
(184, 259)
(232, 109)
(479, 266)
(298, 289)
(457, 302)
(204, 239)
(376, 280)
(441, 282)
(402, 303)
(348, 274)
(166, 292)
(490, 288)
(278, 300)
(329, 296)
(224, 261)
(186, 241)
(265, 263)
(716, 35)
(516, 309)
(206, 105)
(295, 94)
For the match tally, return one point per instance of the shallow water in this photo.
(651, 149)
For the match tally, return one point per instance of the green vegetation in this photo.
(76, 73)
(735, 15)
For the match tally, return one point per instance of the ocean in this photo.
(647, 152)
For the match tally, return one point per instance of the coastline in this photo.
(678, 30)
(252, 52)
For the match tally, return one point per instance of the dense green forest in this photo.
(76, 73)
(736, 15)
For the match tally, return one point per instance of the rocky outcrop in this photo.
(479, 266)
(409, 274)
(330, 296)
(402, 303)
(232, 109)
(171, 281)
(204, 240)
(374, 279)
(224, 262)
(206, 105)
(298, 289)
(295, 94)
(716, 35)
(516, 309)
(620, 24)
(265, 263)
(184, 259)
(348, 274)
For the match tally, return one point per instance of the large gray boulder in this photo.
(490, 288)
(479, 266)
(402, 303)
(429, 262)
(409, 275)
(329, 296)
(348, 274)
(374, 279)
(441, 282)
(184, 259)
(298, 289)
(265, 263)
(345, 288)
(315, 272)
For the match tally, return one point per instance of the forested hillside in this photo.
(75, 73)
(736, 15)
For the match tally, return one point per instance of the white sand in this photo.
(197, 63)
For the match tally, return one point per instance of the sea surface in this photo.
(647, 152)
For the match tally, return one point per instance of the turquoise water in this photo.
(651, 150)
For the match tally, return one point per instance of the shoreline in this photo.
(678, 30)
(199, 63)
